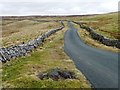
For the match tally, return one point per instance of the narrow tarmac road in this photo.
(100, 67)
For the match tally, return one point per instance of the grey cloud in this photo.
(55, 8)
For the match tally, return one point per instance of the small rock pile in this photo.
(56, 74)
(21, 50)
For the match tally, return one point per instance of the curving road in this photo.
(100, 67)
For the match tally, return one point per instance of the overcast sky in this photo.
(57, 7)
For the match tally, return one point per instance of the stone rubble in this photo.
(56, 74)
(8, 53)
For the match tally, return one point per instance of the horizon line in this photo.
(60, 14)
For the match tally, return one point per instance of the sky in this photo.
(56, 7)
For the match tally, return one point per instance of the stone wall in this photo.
(21, 50)
(104, 40)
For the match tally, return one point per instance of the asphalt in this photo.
(99, 67)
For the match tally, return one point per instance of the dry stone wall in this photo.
(104, 40)
(8, 53)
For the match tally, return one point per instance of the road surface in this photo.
(100, 67)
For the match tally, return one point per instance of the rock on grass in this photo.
(56, 74)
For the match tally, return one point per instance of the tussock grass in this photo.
(22, 31)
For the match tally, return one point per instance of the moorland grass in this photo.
(22, 72)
